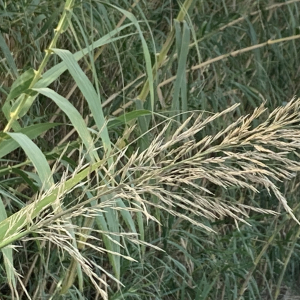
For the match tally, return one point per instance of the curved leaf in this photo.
(7, 144)
(75, 118)
(89, 94)
(36, 156)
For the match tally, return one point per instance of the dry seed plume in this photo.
(180, 172)
(174, 170)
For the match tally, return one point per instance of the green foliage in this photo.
(149, 149)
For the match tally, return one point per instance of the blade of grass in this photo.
(180, 83)
(9, 58)
(127, 117)
(89, 93)
(53, 73)
(287, 260)
(74, 117)
(94, 102)
(147, 57)
(7, 144)
(165, 49)
(257, 260)
(37, 158)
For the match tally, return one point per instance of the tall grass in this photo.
(149, 149)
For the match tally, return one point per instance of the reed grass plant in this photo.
(149, 149)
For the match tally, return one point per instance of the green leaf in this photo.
(37, 158)
(20, 204)
(7, 144)
(126, 215)
(21, 85)
(7, 110)
(143, 123)
(75, 118)
(108, 222)
(49, 22)
(26, 178)
(89, 94)
(146, 52)
(9, 58)
(178, 40)
(180, 82)
(52, 74)
(124, 119)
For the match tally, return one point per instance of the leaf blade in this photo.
(75, 118)
(36, 156)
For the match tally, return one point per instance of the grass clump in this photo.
(149, 150)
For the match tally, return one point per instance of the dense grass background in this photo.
(123, 201)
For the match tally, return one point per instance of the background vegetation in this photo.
(149, 149)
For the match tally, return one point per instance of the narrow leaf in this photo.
(75, 118)
(7, 144)
(127, 117)
(179, 82)
(37, 158)
(88, 92)
(147, 57)
(9, 58)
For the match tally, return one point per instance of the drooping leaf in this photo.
(36, 156)
(74, 117)
(7, 144)
(146, 52)
(53, 73)
(89, 93)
